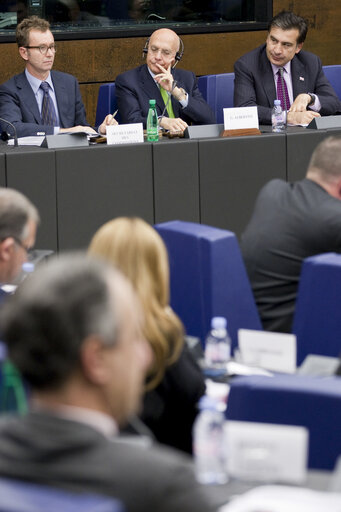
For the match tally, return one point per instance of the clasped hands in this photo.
(166, 81)
(298, 113)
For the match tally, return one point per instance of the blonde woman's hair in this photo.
(139, 252)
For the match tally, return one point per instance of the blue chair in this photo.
(208, 278)
(106, 102)
(314, 403)
(333, 73)
(317, 318)
(19, 496)
(218, 92)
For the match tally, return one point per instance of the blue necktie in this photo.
(48, 112)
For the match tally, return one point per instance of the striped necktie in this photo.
(167, 101)
(48, 112)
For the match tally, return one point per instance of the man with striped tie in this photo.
(40, 100)
(178, 99)
(281, 69)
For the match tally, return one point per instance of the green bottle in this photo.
(152, 123)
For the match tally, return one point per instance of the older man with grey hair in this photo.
(19, 219)
(74, 330)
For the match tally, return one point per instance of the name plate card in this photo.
(241, 118)
(125, 133)
(264, 452)
(270, 350)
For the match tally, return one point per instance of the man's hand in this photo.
(301, 103)
(165, 80)
(108, 121)
(301, 117)
(74, 129)
(175, 126)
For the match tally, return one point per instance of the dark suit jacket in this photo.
(18, 104)
(254, 82)
(50, 450)
(136, 87)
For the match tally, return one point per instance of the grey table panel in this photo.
(232, 171)
(2, 170)
(99, 183)
(176, 181)
(31, 170)
(300, 146)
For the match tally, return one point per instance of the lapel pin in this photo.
(301, 78)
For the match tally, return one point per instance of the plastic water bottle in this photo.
(208, 443)
(278, 117)
(152, 123)
(218, 343)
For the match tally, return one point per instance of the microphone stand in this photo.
(14, 130)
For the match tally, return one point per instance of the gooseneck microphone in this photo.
(281, 71)
(4, 134)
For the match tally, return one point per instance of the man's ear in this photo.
(299, 48)
(92, 357)
(6, 248)
(23, 53)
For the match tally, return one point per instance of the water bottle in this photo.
(152, 123)
(208, 443)
(218, 343)
(278, 117)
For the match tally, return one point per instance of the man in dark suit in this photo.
(258, 80)
(74, 330)
(158, 79)
(40, 100)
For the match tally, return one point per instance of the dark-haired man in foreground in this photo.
(305, 91)
(74, 331)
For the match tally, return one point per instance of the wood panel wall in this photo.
(97, 61)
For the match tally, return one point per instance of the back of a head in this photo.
(287, 20)
(326, 160)
(46, 321)
(139, 252)
(15, 212)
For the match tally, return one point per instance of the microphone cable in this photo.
(168, 100)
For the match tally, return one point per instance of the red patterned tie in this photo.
(282, 90)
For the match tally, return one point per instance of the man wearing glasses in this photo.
(178, 99)
(19, 219)
(39, 100)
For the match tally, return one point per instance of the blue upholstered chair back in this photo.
(314, 403)
(333, 73)
(106, 102)
(317, 319)
(218, 92)
(208, 278)
(17, 496)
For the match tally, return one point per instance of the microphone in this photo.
(284, 95)
(3, 134)
(168, 100)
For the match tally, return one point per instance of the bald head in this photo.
(162, 48)
(325, 165)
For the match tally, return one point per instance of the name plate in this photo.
(240, 118)
(264, 452)
(270, 350)
(125, 133)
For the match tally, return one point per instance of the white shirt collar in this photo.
(287, 68)
(35, 82)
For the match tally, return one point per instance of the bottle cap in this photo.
(208, 403)
(152, 103)
(218, 322)
(28, 267)
(277, 102)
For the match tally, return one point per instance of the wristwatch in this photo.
(312, 99)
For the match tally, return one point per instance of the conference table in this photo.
(213, 181)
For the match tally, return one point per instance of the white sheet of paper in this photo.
(266, 452)
(240, 118)
(284, 499)
(125, 133)
(270, 350)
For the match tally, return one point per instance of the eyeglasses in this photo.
(43, 48)
(19, 242)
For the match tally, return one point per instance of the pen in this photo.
(114, 114)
